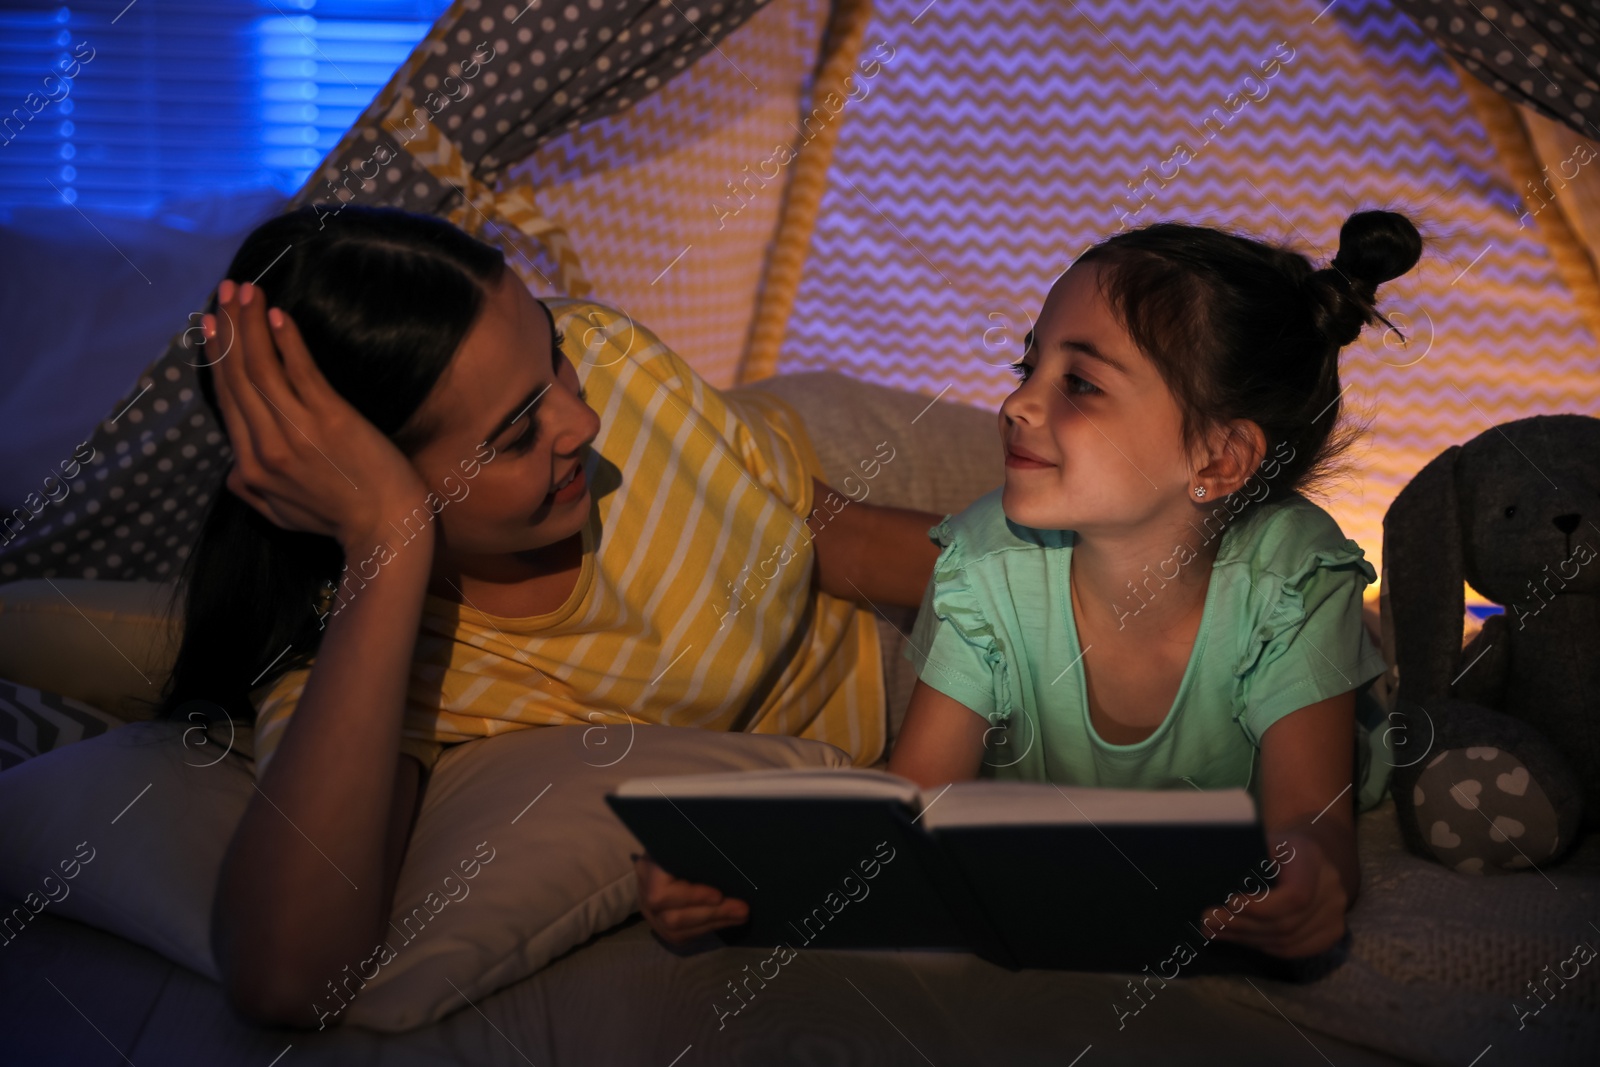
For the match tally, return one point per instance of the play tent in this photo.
(888, 190)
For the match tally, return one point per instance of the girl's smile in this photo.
(1021, 459)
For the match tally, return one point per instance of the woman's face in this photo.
(1096, 412)
(511, 425)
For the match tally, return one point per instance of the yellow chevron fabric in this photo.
(710, 628)
(1002, 139)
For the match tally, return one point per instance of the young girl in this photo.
(428, 535)
(1149, 602)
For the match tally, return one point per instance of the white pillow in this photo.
(146, 822)
(514, 842)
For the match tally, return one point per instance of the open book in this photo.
(1025, 874)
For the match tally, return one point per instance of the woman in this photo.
(429, 535)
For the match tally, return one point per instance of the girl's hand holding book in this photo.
(1301, 915)
(680, 911)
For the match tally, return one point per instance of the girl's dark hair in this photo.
(383, 298)
(1243, 329)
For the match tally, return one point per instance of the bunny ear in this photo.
(1422, 558)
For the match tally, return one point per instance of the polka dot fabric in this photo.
(135, 507)
(1534, 52)
(499, 80)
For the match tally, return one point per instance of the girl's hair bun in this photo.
(1374, 247)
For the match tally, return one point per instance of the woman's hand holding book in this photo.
(680, 911)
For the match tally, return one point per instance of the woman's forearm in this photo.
(306, 885)
(874, 555)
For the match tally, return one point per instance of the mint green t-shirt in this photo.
(1281, 629)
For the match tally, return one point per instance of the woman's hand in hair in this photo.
(303, 456)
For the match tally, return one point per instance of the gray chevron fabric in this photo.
(33, 722)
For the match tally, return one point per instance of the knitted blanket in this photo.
(1444, 966)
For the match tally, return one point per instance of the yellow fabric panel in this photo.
(1564, 179)
(1509, 131)
(673, 204)
(715, 626)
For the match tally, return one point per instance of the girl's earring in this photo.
(1199, 491)
(324, 599)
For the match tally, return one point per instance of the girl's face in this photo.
(1093, 434)
(511, 424)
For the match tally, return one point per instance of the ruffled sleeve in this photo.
(1306, 641)
(953, 643)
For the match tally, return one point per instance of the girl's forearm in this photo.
(1338, 846)
(872, 554)
(1307, 773)
(306, 886)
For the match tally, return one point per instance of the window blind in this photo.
(117, 106)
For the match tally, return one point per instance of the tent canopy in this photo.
(890, 191)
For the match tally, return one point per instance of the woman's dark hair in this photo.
(1243, 329)
(383, 299)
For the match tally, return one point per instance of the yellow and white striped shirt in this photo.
(694, 604)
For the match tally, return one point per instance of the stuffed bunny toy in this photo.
(1497, 745)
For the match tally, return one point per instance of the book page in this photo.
(798, 783)
(1017, 803)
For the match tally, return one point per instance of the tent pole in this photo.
(841, 46)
